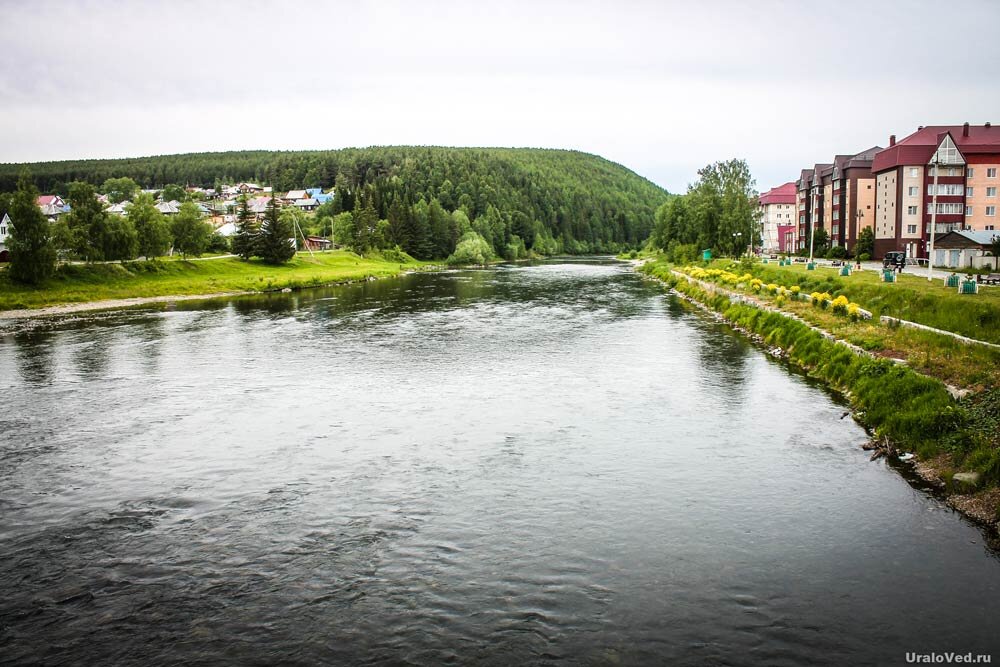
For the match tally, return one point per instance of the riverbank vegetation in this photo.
(905, 403)
(717, 213)
(84, 283)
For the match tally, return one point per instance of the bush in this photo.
(864, 257)
(395, 254)
(471, 249)
(836, 252)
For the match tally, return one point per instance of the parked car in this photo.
(894, 259)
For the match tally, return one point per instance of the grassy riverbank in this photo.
(912, 298)
(914, 410)
(85, 283)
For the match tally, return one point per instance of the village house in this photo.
(318, 194)
(4, 234)
(964, 249)
(306, 204)
(294, 195)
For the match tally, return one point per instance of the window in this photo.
(991, 210)
(836, 215)
(912, 191)
(945, 189)
(991, 172)
(946, 209)
(913, 172)
(911, 229)
(989, 228)
(3, 230)
(968, 192)
(911, 210)
(969, 172)
(968, 210)
(991, 192)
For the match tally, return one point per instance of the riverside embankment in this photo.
(80, 287)
(907, 409)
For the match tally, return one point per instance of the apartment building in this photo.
(777, 217)
(813, 188)
(962, 160)
(852, 197)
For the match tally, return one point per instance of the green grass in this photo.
(912, 298)
(80, 283)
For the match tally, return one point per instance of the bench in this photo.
(991, 279)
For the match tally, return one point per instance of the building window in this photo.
(991, 172)
(913, 172)
(946, 209)
(991, 210)
(911, 210)
(911, 229)
(989, 228)
(968, 210)
(912, 191)
(968, 192)
(945, 189)
(991, 192)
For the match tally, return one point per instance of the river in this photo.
(548, 464)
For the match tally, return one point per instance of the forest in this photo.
(546, 201)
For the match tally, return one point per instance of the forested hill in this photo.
(582, 202)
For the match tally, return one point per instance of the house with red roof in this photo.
(944, 173)
(776, 211)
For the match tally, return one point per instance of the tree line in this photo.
(551, 201)
(718, 212)
(90, 233)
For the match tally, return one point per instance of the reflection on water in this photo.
(535, 464)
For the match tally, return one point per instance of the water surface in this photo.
(545, 464)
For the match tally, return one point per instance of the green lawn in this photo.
(80, 283)
(911, 298)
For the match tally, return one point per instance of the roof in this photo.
(47, 200)
(982, 237)
(312, 192)
(322, 198)
(783, 194)
(296, 194)
(920, 146)
(305, 202)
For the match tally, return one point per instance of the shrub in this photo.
(836, 252)
(864, 257)
(472, 249)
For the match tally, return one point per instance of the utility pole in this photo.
(930, 252)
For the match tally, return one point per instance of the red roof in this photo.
(46, 200)
(920, 146)
(783, 194)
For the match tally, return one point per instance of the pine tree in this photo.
(247, 231)
(275, 245)
(32, 253)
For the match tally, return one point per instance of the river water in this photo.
(544, 464)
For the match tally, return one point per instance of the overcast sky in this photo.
(661, 87)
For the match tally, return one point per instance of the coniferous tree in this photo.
(276, 241)
(245, 239)
(32, 253)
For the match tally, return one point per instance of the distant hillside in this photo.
(586, 202)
